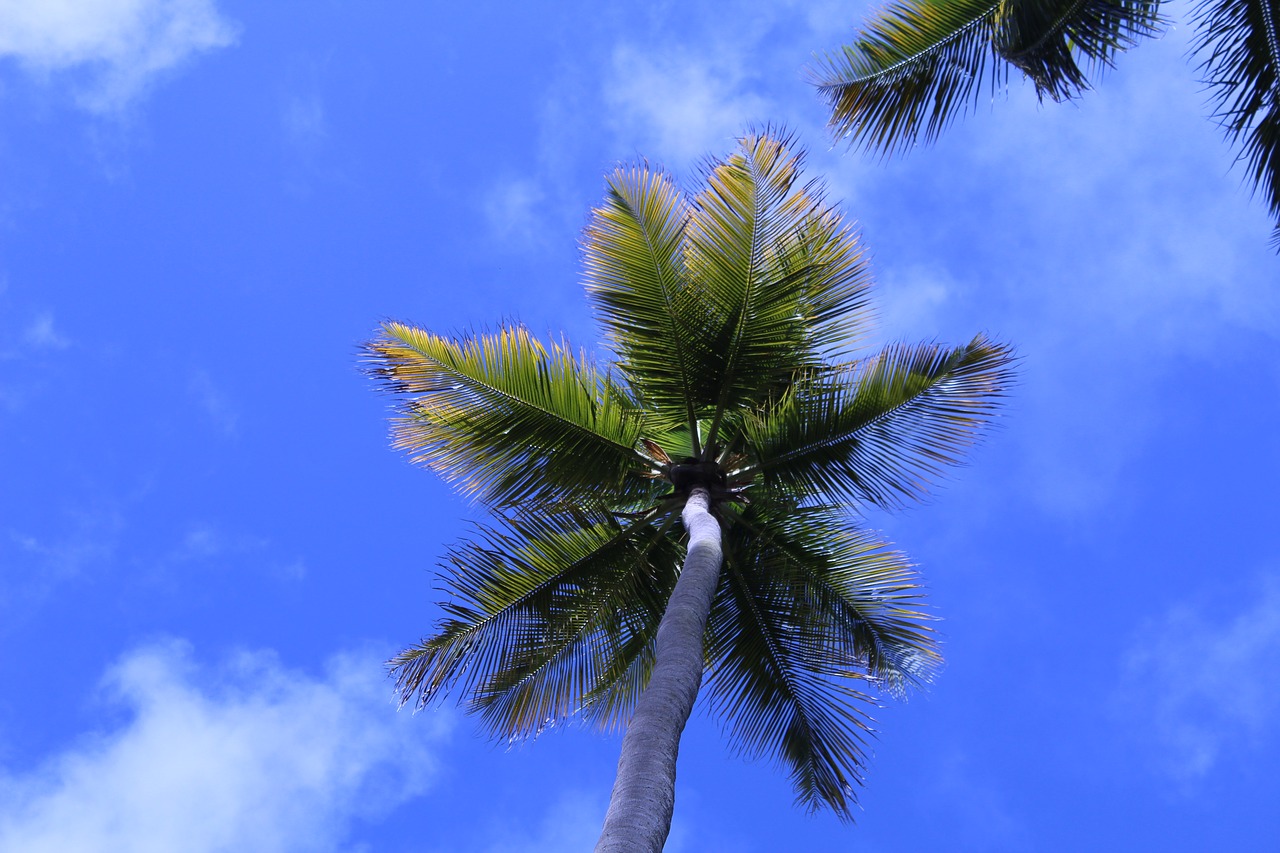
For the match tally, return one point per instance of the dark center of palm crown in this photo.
(688, 474)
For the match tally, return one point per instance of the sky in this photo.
(208, 548)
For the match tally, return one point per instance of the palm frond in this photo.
(788, 656)
(542, 614)
(916, 68)
(1239, 42)
(780, 273)
(633, 260)
(1049, 40)
(864, 590)
(506, 418)
(922, 63)
(882, 429)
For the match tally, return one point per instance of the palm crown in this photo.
(732, 316)
(921, 63)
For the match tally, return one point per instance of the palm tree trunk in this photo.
(644, 793)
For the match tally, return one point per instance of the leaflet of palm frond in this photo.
(1239, 45)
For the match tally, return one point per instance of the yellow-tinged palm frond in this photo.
(882, 429)
(784, 278)
(633, 260)
(718, 302)
(507, 418)
(922, 63)
(1239, 45)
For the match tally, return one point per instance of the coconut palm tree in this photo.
(921, 63)
(689, 510)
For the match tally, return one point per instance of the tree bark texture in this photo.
(643, 799)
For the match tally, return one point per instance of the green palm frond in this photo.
(633, 259)
(781, 276)
(1239, 42)
(915, 69)
(506, 418)
(542, 614)
(923, 63)
(867, 592)
(789, 642)
(882, 429)
(1048, 40)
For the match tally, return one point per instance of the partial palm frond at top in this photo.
(922, 63)
(1238, 42)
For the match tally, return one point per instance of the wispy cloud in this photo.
(512, 208)
(304, 121)
(215, 403)
(246, 756)
(680, 105)
(1201, 683)
(42, 334)
(572, 824)
(112, 49)
(91, 540)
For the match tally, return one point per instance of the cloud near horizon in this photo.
(245, 756)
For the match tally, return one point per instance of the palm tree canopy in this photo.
(732, 314)
(920, 64)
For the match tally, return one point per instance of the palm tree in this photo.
(688, 511)
(921, 63)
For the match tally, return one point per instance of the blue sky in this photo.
(207, 548)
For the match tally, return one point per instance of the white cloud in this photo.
(1202, 686)
(121, 45)
(680, 105)
(248, 756)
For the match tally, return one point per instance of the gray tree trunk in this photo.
(644, 792)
